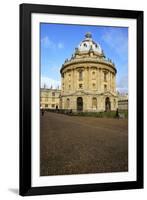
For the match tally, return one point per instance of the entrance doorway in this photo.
(94, 103)
(79, 104)
(107, 104)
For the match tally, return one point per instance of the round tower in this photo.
(88, 79)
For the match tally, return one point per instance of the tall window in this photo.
(80, 86)
(94, 102)
(53, 94)
(105, 88)
(94, 86)
(93, 75)
(105, 76)
(69, 77)
(67, 103)
(80, 75)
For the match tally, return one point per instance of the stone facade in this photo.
(123, 102)
(88, 80)
(49, 98)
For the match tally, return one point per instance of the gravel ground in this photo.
(79, 145)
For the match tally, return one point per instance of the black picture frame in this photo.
(25, 187)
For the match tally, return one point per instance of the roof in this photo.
(89, 45)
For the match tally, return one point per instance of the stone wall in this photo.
(88, 81)
(49, 98)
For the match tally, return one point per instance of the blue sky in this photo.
(58, 42)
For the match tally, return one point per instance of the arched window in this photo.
(105, 88)
(94, 86)
(105, 76)
(80, 75)
(93, 75)
(107, 104)
(67, 103)
(79, 104)
(94, 103)
(80, 86)
(69, 77)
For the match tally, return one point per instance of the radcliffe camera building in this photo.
(88, 79)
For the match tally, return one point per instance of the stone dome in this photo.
(88, 51)
(89, 45)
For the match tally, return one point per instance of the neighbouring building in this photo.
(88, 79)
(49, 98)
(123, 101)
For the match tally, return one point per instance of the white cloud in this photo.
(49, 82)
(48, 43)
(60, 45)
(122, 90)
(116, 41)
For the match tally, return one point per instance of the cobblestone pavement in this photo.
(78, 145)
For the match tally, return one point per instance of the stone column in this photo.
(102, 80)
(110, 82)
(73, 80)
(114, 83)
(97, 79)
(63, 105)
(74, 103)
(88, 78)
(61, 83)
(65, 81)
(83, 77)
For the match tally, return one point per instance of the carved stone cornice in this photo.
(86, 61)
(89, 93)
